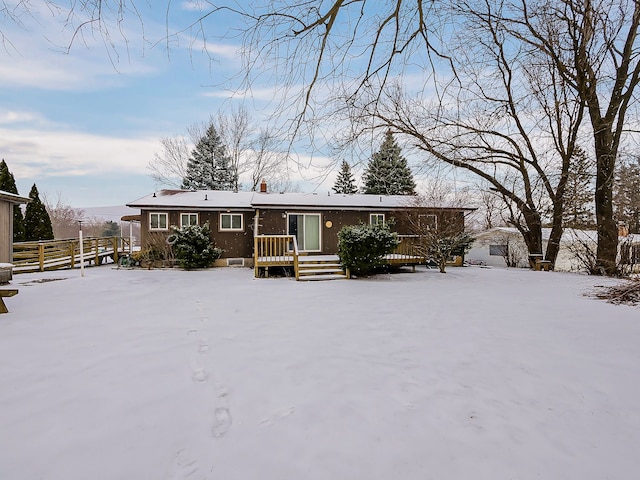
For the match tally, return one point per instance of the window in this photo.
(188, 219)
(428, 222)
(306, 228)
(158, 221)
(231, 221)
(498, 250)
(376, 219)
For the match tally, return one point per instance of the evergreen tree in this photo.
(209, 166)
(388, 172)
(8, 184)
(37, 223)
(579, 192)
(626, 195)
(345, 182)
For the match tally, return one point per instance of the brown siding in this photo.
(274, 222)
(6, 232)
(235, 244)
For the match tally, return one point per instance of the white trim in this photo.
(184, 214)
(319, 215)
(159, 229)
(231, 214)
(377, 215)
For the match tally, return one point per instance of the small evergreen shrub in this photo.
(362, 248)
(193, 247)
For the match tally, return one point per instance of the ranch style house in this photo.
(260, 229)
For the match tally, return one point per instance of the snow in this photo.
(204, 199)
(166, 374)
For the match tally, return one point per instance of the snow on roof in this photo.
(203, 199)
(13, 198)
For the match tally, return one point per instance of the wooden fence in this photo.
(61, 254)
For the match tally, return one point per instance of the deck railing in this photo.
(59, 254)
(275, 251)
(410, 249)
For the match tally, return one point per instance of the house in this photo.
(7, 202)
(249, 226)
(504, 246)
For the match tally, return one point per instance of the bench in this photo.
(6, 292)
(543, 265)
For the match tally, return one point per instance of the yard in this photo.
(166, 374)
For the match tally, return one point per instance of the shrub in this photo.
(362, 248)
(193, 247)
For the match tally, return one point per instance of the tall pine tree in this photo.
(626, 194)
(8, 184)
(209, 167)
(37, 223)
(388, 172)
(579, 192)
(345, 182)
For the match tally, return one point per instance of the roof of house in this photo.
(13, 198)
(216, 199)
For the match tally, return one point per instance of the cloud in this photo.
(36, 54)
(32, 152)
(12, 118)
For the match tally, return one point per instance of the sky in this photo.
(84, 124)
(353, 379)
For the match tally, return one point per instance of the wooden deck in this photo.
(282, 251)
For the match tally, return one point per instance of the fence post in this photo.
(97, 245)
(114, 242)
(41, 256)
(72, 252)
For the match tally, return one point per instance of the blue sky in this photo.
(83, 126)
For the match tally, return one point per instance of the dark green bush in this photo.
(362, 248)
(193, 247)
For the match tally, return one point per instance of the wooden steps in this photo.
(314, 269)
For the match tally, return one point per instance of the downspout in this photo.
(256, 225)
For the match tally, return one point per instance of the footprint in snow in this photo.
(200, 375)
(185, 467)
(221, 422)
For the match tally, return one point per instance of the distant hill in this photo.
(109, 214)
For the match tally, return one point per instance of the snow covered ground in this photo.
(166, 374)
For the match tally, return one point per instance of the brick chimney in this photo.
(263, 186)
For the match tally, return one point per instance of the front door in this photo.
(306, 228)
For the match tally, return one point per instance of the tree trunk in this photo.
(533, 234)
(607, 229)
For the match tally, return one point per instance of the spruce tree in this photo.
(209, 166)
(37, 223)
(8, 184)
(388, 172)
(626, 195)
(579, 192)
(345, 182)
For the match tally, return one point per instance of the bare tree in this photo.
(236, 130)
(582, 54)
(586, 48)
(64, 218)
(169, 166)
(255, 153)
(440, 236)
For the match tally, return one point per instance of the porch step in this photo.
(317, 269)
(318, 277)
